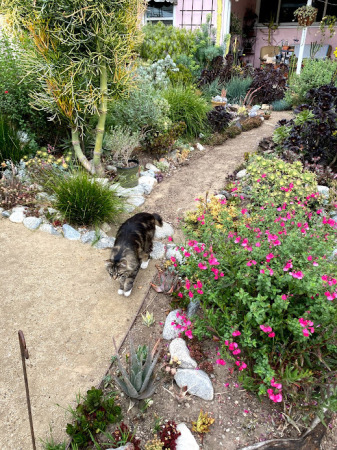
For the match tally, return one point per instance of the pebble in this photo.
(323, 190)
(152, 167)
(148, 173)
(158, 251)
(197, 381)
(89, 237)
(70, 233)
(179, 350)
(5, 214)
(165, 231)
(241, 174)
(150, 182)
(186, 440)
(169, 331)
(48, 228)
(17, 216)
(136, 200)
(105, 227)
(32, 223)
(200, 147)
(192, 308)
(106, 242)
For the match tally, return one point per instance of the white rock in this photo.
(32, 223)
(158, 251)
(241, 174)
(105, 227)
(186, 440)
(173, 252)
(19, 209)
(147, 173)
(48, 228)
(200, 147)
(106, 242)
(91, 236)
(102, 181)
(169, 331)
(129, 208)
(5, 214)
(179, 350)
(70, 233)
(17, 216)
(165, 231)
(152, 167)
(150, 182)
(323, 190)
(136, 200)
(197, 381)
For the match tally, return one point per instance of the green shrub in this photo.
(250, 123)
(158, 73)
(145, 109)
(232, 131)
(161, 40)
(182, 76)
(84, 201)
(281, 105)
(212, 89)
(277, 181)
(11, 147)
(237, 88)
(162, 143)
(313, 75)
(187, 106)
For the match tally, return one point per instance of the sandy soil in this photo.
(59, 294)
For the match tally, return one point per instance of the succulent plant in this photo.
(168, 281)
(148, 319)
(139, 382)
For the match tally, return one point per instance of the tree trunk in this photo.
(102, 111)
(78, 151)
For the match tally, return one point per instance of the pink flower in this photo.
(244, 210)
(266, 329)
(288, 266)
(173, 259)
(270, 256)
(257, 244)
(271, 335)
(299, 274)
(170, 238)
(275, 385)
(180, 295)
(188, 333)
(187, 284)
(202, 266)
(309, 258)
(236, 333)
(190, 294)
(221, 362)
(236, 352)
(243, 366)
(284, 297)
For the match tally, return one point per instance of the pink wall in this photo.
(289, 34)
(184, 17)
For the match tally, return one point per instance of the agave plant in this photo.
(168, 281)
(139, 382)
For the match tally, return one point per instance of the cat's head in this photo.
(116, 269)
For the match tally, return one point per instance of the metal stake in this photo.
(25, 355)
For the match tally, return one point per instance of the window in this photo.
(282, 11)
(159, 12)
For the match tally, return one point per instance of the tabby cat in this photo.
(133, 245)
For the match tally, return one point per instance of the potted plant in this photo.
(118, 144)
(328, 23)
(306, 15)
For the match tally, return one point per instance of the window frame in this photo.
(285, 24)
(155, 20)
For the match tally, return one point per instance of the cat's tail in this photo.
(158, 219)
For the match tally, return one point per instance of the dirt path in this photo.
(59, 294)
(206, 171)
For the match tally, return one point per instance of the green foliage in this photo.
(269, 276)
(11, 147)
(14, 192)
(161, 143)
(186, 105)
(84, 201)
(281, 105)
(277, 181)
(251, 123)
(232, 131)
(237, 88)
(182, 76)
(139, 382)
(212, 89)
(119, 144)
(158, 74)
(144, 110)
(161, 40)
(313, 75)
(92, 416)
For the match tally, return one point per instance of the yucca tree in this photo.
(82, 53)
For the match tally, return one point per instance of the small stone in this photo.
(48, 228)
(43, 196)
(136, 200)
(178, 349)
(106, 242)
(111, 168)
(105, 227)
(19, 209)
(70, 233)
(186, 440)
(172, 252)
(192, 308)
(147, 173)
(152, 167)
(197, 381)
(52, 210)
(158, 251)
(129, 208)
(165, 162)
(165, 231)
(17, 216)
(90, 236)
(32, 223)
(169, 331)
(241, 174)
(200, 147)
(5, 214)
(323, 190)
(150, 182)
(102, 181)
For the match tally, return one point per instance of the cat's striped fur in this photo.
(133, 245)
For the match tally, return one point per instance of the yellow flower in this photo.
(65, 166)
(335, 52)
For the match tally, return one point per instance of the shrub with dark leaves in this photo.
(269, 83)
(312, 134)
(219, 118)
(169, 434)
(223, 69)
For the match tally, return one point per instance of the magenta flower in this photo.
(266, 329)
(180, 295)
(271, 335)
(170, 238)
(236, 333)
(202, 266)
(221, 362)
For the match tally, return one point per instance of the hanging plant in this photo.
(328, 22)
(306, 15)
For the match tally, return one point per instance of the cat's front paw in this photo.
(127, 294)
(144, 264)
(120, 292)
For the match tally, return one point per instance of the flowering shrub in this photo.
(277, 181)
(267, 289)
